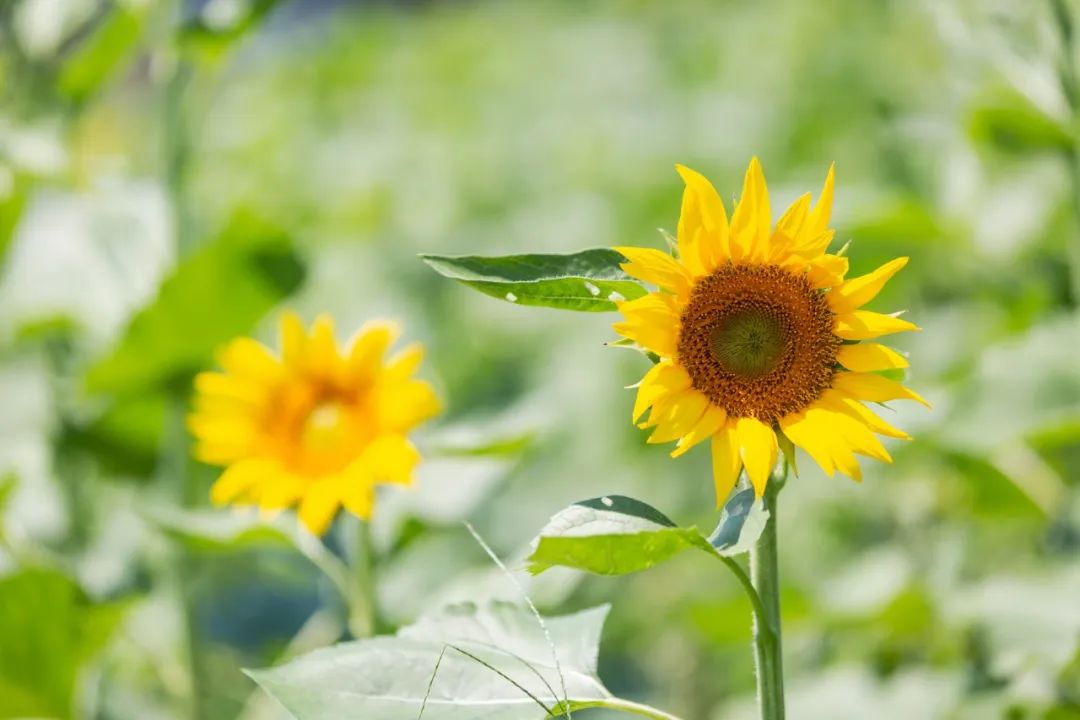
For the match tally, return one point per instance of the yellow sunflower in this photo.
(314, 427)
(759, 336)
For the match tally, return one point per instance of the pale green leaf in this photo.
(462, 663)
(741, 524)
(588, 281)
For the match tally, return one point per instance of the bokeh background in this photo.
(173, 174)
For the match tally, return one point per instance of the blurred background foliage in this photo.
(174, 173)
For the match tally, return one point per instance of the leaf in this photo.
(741, 524)
(49, 630)
(112, 42)
(461, 663)
(616, 535)
(587, 281)
(213, 36)
(212, 531)
(1013, 124)
(213, 296)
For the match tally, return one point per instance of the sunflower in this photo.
(313, 427)
(760, 337)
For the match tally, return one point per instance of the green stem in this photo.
(625, 706)
(765, 576)
(1070, 88)
(362, 619)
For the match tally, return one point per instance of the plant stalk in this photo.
(765, 576)
(362, 620)
(1069, 81)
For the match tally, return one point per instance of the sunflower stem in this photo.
(1069, 82)
(362, 619)
(765, 576)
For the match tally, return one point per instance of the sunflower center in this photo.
(747, 343)
(758, 341)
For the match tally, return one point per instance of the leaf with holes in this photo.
(587, 281)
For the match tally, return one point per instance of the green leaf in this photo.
(1013, 124)
(50, 630)
(461, 663)
(616, 535)
(219, 292)
(587, 281)
(109, 46)
(215, 39)
(212, 531)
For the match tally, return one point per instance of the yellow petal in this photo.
(703, 210)
(322, 358)
(358, 495)
(856, 292)
(757, 448)
(293, 339)
(868, 357)
(726, 462)
(403, 406)
(390, 458)
(655, 267)
(228, 387)
(816, 432)
(367, 348)
(791, 224)
(241, 476)
(663, 379)
(873, 388)
(838, 401)
(867, 325)
(320, 504)
(250, 360)
(709, 424)
(752, 220)
(282, 491)
(827, 271)
(818, 222)
(682, 415)
(405, 363)
(652, 322)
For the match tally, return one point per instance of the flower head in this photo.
(759, 336)
(313, 426)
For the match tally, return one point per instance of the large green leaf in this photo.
(108, 47)
(48, 631)
(588, 281)
(214, 295)
(616, 535)
(461, 663)
(1011, 123)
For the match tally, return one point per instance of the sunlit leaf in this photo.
(112, 42)
(213, 531)
(49, 631)
(221, 291)
(616, 535)
(588, 281)
(1013, 124)
(462, 663)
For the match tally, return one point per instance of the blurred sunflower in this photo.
(758, 334)
(315, 427)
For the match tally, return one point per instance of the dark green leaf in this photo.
(588, 281)
(1013, 124)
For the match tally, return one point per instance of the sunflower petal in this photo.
(757, 448)
(683, 414)
(368, 347)
(833, 398)
(391, 458)
(293, 339)
(868, 357)
(240, 477)
(856, 292)
(752, 220)
(702, 205)
(655, 267)
(827, 271)
(726, 462)
(873, 388)
(818, 222)
(663, 379)
(714, 418)
(250, 360)
(320, 504)
(650, 321)
(867, 325)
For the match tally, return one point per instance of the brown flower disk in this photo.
(758, 341)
